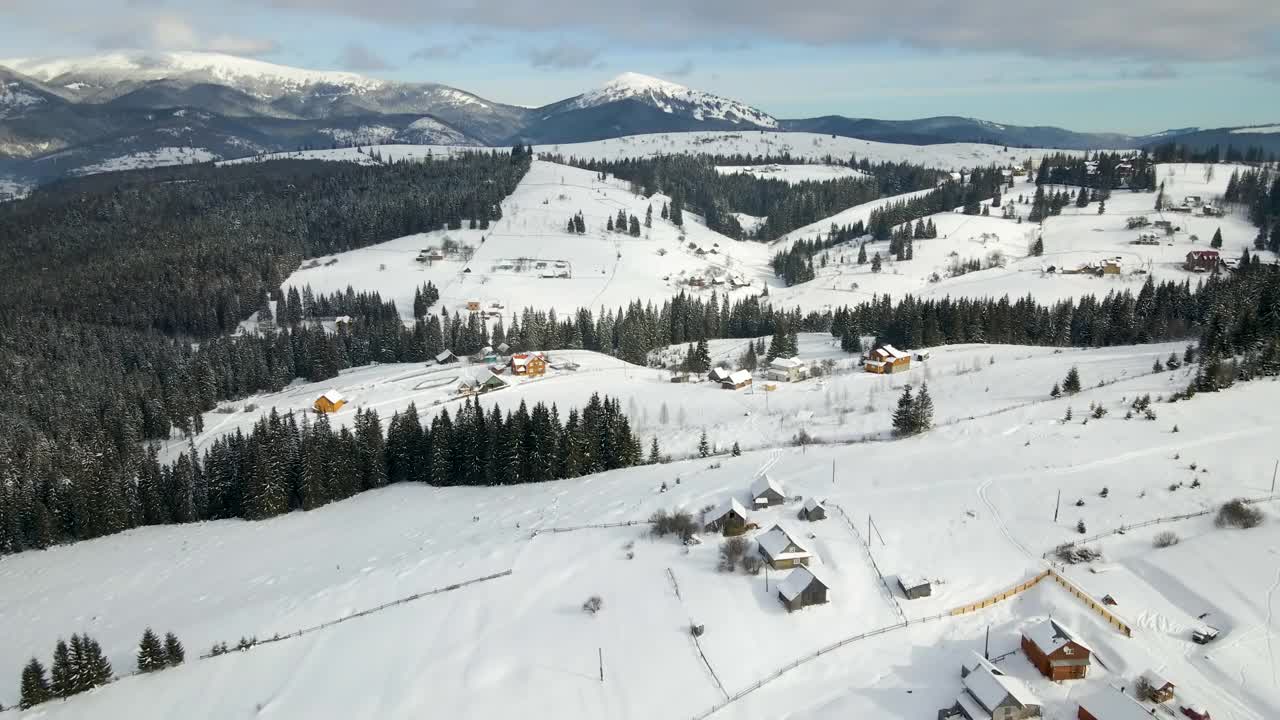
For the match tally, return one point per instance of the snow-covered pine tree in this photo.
(62, 674)
(174, 653)
(35, 686)
(1071, 383)
(704, 449)
(151, 656)
(922, 410)
(904, 416)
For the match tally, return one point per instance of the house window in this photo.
(1066, 651)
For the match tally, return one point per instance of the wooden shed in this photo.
(737, 380)
(446, 357)
(782, 550)
(914, 588)
(813, 510)
(801, 588)
(767, 492)
(1155, 687)
(1056, 651)
(330, 402)
(719, 374)
(728, 515)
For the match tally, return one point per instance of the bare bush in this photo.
(1239, 514)
(1075, 554)
(592, 605)
(731, 552)
(752, 564)
(1168, 538)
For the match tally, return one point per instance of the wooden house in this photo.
(479, 383)
(728, 515)
(719, 374)
(782, 550)
(813, 510)
(473, 306)
(1202, 261)
(914, 588)
(1195, 712)
(1109, 703)
(887, 359)
(802, 588)
(330, 402)
(990, 693)
(530, 364)
(446, 357)
(767, 492)
(1056, 651)
(1111, 266)
(1155, 687)
(737, 380)
(786, 370)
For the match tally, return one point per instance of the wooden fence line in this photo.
(697, 643)
(1111, 618)
(866, 548)
(598, 526)
(1000, 596)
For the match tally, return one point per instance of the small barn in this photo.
(1056, 650)
(887, 359)
(1155, 687)
(446, 357)
(813, 510)
(1109, 703)
(330, 402)
(782, 550)
(914, 588)
(767, 492)
(737, 380)
(786, 370)
(802, 588)
(728, 515)
(719, 374)
(1202, 261)
(530, 364)
(990, 693)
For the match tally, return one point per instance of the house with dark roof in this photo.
(801, 588)
(728, 515)
(813, 510)
(766, 492)
(782, 549)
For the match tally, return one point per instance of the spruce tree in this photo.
(61, 675)
(35, 687)
(1071, 383)
(174, 653)
(737, 451)
(1056, 391)
(875, 263)
(904, 417)
(151, 655)
(862, 253)
(654, 456)
(704, 449)
(922, 410)
(1216, 242)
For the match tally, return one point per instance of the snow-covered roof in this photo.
(972, 708)
(333, 396)
(775, 542)
(737, 377)
(990, 685)
(1049, 635)
(723, 509)
(785, 363)
(766, 482)
(720, 374)
(1156, 680)
(444, 356)
(895, 353)
(911, 581)
(799, 579)
(810, 503)
(1111, 704)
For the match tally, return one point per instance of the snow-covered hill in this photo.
(672, 97)
(969, 505)
(792, 173)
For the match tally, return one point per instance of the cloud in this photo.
(563, 56)
(684, 69)
(1149, 30)
(358, 57)
(167, 31)
(1161, 71)
(450, 51)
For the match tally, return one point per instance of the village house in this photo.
(446, 357)
(503, 348)
(330, 402)
(802, 588)
(1155, 687)
(813, 510)
(887, 359)
(990, 694)
(766, 492)
(529, 364)
(473, 306)
(1202, 261)
(1109, 703)
(1111, 266)
(737, 380)
(786, 370)
(1193, 200)
(469, 384)
(1056, 651)
(719, 374)
(782, 550)
(729, 515)
(914, 588)
(1211, 211)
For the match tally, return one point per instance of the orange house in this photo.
(888, 359)
(531, 364)
(1056, 651)
(330, 402)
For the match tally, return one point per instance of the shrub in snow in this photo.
(1080, 528)
(1099, 412)
(752, 564)
(592, 605)
(731, 552)
(697, 630)
(1168, 538)
(680, 523)
(1073, 554)
(1239, 514)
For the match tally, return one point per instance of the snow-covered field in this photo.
(361, 154)
(792, 173)
(969, 505)
(160, 157)
(605, 268)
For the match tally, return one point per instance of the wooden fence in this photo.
(1000, 596)
(1111, 618)
(865, 544)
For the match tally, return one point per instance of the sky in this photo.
(1086, 65)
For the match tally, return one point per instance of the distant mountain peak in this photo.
(673, 97)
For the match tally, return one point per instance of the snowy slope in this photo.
(792, 173)
(968, 505)
(160, 157)
(668, 97)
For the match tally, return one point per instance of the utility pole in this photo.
(601, 664)
(833, 474)
(986, 645)
(1273, 477)
(1057, 506)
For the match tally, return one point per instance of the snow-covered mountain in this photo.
(673, 98)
